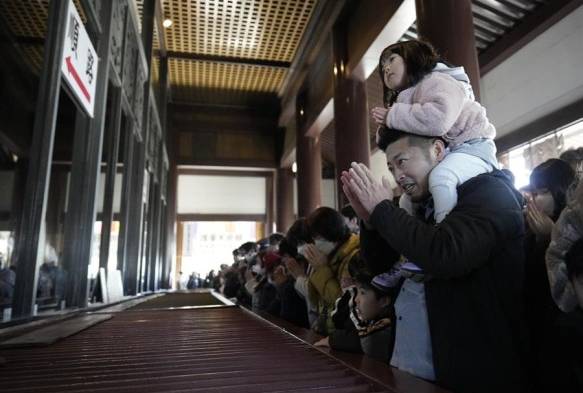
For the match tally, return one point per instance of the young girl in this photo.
(426, 97)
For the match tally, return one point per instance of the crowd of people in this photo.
(456, 276)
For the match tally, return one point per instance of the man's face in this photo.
(411, 165)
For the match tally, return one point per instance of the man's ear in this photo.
(438, 148)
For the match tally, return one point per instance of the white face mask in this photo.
(302, 249)
(324, 246)
(257, 269)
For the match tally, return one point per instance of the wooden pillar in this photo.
(284, 199)
(309, 162)
(171, 232)
(134, 277)
(112, 153)
(86, 167)
(179, 239)
(352, 141)
(449, 26)
(39, 169)
(269, 204)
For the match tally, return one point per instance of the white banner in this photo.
(79, 64)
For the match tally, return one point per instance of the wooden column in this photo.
(309, 162)
(133, 276)
(86, 168)
(269, 204)
(284, 199)
(28, 237)
(449, 26)
(112, 153)
(352, 140)
(126, 193)
(171, 231)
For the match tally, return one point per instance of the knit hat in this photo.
(387, 282)
(270, 261)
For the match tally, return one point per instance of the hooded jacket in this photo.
(439, 105)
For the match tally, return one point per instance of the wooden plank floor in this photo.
(201, 350)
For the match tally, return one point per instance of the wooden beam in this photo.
(539, 127)
(93, 24)
(221, 217)
(39, 170)
(210, 172)
(317, 32)
(225, 59)
(543, 17)
(159, 16)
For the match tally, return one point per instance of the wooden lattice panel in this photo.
(227, 76)
(33, 55)
(253, 29)
(26, 18)
(139, 5)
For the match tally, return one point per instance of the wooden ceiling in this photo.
(231, 52)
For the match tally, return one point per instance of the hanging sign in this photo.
(79, 63)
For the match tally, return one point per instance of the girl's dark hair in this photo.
(286, 247)
(329, 224)
(420, 58)
(556, 176)
(299, 232)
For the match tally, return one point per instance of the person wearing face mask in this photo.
(549, 183)
(564, 260)
(332, 249)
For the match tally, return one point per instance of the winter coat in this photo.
(439, 106)
(475, 296)
(567, 230)
(324, 282)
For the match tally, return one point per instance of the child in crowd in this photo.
(365, 314)
(424, 96)
(374, 303)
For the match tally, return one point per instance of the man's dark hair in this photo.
(574, 259)
(247, 247)
(329, 224)
(388, 136)
(275, 238)
(419, 57)
(348, 212)
(556, 176)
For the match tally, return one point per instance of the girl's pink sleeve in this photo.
(437, 103)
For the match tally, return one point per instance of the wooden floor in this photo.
(180, 299)
(219, 349)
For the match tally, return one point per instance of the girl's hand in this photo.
(540, 224)
(379, 115)
(315, 257)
